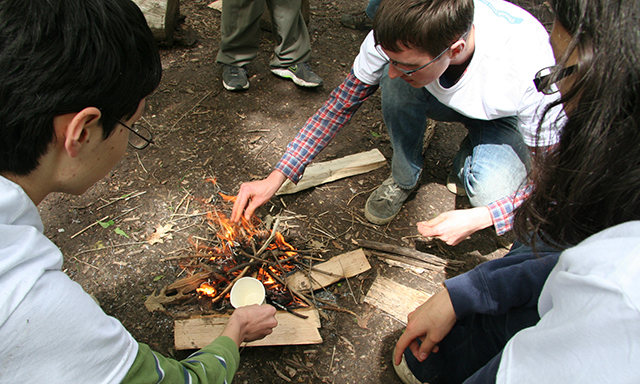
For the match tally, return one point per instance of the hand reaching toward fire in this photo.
(250, 323)
(454, 226)
(254, 194)
(430, 322)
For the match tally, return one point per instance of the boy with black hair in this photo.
(74, 75)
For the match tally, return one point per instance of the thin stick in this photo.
(220, 296)
(125, 198)
(178, 207)
(189, 111)
(140, 161)
(107, 247)
(271, 236)
(89, 226)
(348, 284)
(84, 262)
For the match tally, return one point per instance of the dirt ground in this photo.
(203, 131)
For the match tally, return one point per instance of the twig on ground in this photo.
(124, 197)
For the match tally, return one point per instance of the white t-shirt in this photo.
(51, 331)
(511, 46)
(589, 330)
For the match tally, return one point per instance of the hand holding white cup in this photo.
(247, 291)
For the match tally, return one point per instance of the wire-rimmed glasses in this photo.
(546, 80)
(139, 136)
(412, 71)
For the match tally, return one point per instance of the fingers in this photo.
(239, 205)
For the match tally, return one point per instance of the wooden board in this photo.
(325, 172)
(162, 17)
(339, 267)
(198, 332)
(395, 299)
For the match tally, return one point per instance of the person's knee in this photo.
(484, 188)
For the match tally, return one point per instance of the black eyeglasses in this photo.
(139, 136)
(412, 71)
(546, 79)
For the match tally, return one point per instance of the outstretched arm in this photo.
(319, 130)
(454, 226)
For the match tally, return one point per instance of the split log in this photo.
(394, 298)
(198, 332)
(162, 17)
(408, 262)
(324, 274)
(328, 171)
(190, 283)
(411, 253)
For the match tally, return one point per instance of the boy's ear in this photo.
(457, 48)
(79, 129)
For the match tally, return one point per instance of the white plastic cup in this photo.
(247, 291)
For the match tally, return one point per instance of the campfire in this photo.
(234, 251)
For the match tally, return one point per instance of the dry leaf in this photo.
(162, 232)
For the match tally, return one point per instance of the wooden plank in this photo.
(198, 332)
(337, 268)
(162, 17)
(328, 171)
(395, 299)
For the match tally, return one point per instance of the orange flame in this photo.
(206, 290)
(227, 197)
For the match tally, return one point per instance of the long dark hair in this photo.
(591, 181)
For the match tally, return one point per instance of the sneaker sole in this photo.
(287, 74)
(404, 373)
(230, 88)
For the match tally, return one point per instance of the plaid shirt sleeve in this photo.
(343, 102)
(502, 210)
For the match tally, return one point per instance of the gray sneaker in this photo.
(234, 78)
(301, 74)
(385, 203)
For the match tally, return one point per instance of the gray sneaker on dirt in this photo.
(234, 78)
(301, 74)
(385, 203)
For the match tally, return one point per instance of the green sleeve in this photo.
(213, 364)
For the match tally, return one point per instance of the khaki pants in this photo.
(240, 30)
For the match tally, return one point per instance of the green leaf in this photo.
(376, 134)
(105, 225)
(157, 278)
(120, 232)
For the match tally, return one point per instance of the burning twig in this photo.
(221, 295)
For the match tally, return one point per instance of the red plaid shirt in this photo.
(320, 129)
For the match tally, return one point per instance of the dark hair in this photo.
(427, 25)
(591, 181)
(61, 56)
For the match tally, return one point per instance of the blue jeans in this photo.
(493, 159)
(372, 7)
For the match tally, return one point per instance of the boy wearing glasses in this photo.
(452, 60)
(74, 75)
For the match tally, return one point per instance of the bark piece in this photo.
(337, 268)
(328, 171)
(162, 17)
(395, 299)
(198, 332)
